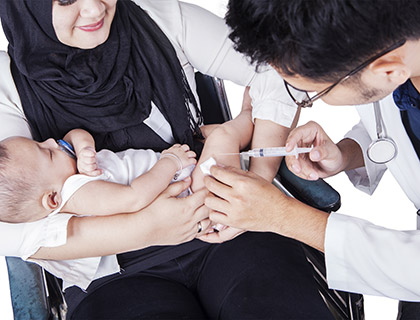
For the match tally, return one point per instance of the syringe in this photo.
(272, 152)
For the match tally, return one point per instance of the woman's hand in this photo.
(175, 220)
(324, 160)
(226, 233)
(167, 221)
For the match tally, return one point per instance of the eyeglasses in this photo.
(308, 101)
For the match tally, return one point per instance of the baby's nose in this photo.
(50, 143)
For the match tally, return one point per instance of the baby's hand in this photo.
(185, 157)
(86, 162)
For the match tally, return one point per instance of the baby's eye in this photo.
(65, 2)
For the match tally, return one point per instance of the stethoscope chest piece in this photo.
(383, 149)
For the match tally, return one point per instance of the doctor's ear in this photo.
(390, 68)
(51, 200)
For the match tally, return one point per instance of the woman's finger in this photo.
(206, 226)
(219, 237)
(196, 199)
(202, 213)
(212, 237)
(175, 189)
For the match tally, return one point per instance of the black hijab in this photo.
(106, 90)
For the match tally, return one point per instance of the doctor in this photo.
(352, 52)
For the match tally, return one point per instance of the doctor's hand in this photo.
(244, 200)
(325, 159)
(247, 201)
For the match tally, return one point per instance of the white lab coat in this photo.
(365, 258)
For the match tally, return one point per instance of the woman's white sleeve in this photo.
(368, 177)
(209, 50)
(12, 119)
(369, 259)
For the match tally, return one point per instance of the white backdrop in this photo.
(388, 207)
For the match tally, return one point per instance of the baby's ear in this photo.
(51, 200)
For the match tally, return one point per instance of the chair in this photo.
(318, 194)
(36, 294)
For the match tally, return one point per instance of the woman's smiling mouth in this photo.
(92, 27)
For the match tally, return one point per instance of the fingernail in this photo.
(295, 168)
(315, 155)
(313, 176)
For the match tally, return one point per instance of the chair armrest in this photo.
(27, 288)
(317, 194)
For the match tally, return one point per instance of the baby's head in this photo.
(31, 178)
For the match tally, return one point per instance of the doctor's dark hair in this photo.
(16, 191)
(320, 39)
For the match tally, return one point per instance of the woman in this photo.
(124, 72)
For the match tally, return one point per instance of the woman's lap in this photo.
(140, 297)
(257, 275)
(266, 277)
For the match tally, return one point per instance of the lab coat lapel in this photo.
(406, 166)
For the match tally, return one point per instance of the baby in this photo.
(42, 178)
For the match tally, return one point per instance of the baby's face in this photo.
(42, 159)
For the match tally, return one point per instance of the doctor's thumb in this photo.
(315, 155)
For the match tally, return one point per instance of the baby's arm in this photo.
(106, 198)
(84, 147)
(268, 134)
(229, 137)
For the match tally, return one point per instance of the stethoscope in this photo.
(383, 149)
